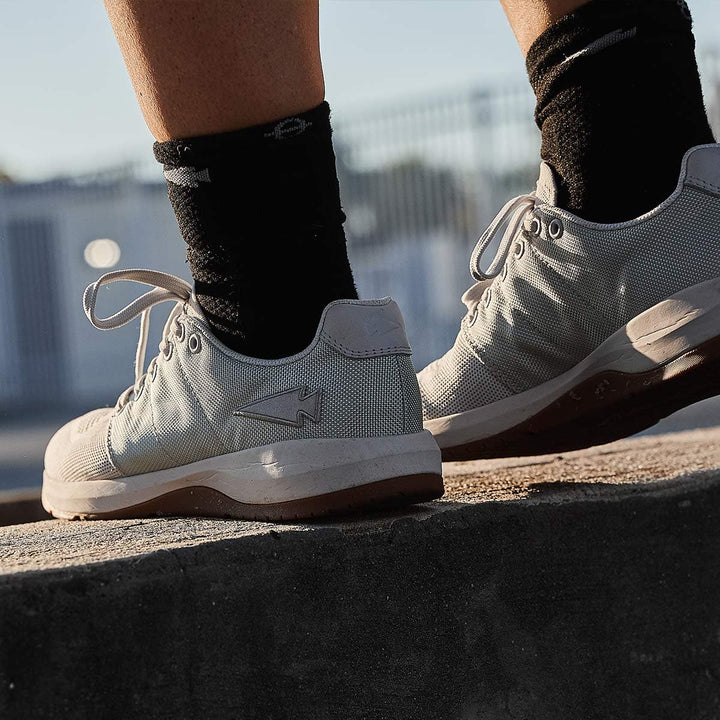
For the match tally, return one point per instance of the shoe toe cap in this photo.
(79, 450)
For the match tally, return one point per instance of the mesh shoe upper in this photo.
(200, 399)
(459, 379)
(79, 450)
(187, 412)
(567, 285)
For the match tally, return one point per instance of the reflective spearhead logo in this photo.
(289, 407)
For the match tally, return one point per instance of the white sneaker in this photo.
(207, 431)
(580, 333)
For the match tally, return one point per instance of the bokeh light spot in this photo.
(102, 253)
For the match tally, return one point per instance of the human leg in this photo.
(593, 325)
(210, 66)
(530, 18)
(233, 93)
(321, 411)
(616, 83)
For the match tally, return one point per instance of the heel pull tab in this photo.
(360, 330)
(703, 168)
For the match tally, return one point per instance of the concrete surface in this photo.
(559, 587)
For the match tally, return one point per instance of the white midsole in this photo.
(653, 338)
(280, 472)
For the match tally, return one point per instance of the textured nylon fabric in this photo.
(457, 382)
(560, 298)
(634, 266)
(410, 396)
(186, 413)
(78, 451)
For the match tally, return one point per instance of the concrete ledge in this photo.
(583, 586)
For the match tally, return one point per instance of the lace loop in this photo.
(511, 218)
(167, 288)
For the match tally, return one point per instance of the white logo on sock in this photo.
(290, 127)
(187, 176)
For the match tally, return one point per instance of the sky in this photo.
(67, 104)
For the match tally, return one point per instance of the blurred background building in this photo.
(421, 176)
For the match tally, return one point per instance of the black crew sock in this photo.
(260, 212)
(618, 104)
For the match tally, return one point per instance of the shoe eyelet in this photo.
(488, 297)
(535, 227)
(504, 272)
(519, 249)
(194, 343)
(555, 229)
(153, 374)
(179, 331)
(473, 317)
(168, 351)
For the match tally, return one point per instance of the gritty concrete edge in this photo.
(394, 528)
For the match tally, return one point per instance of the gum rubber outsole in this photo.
(206, 502)
(607, 407)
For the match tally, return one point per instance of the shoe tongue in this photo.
(546, 190)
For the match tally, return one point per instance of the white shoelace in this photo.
(166, 288)
(511, 217)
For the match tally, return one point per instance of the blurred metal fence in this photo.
(419, 181)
